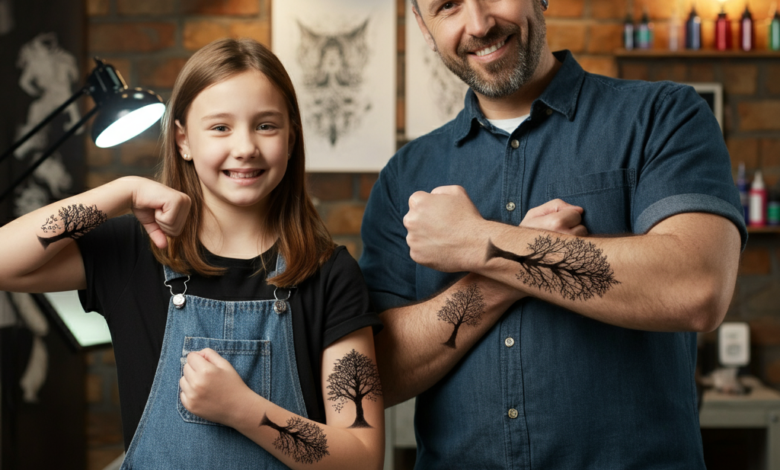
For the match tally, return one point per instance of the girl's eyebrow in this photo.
(266, 113)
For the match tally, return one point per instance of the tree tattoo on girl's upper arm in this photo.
(465, 307)
(354, 378)
(75, 221)
(303, 441)
(576, 269)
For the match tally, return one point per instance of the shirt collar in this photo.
(561, 95)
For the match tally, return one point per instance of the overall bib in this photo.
(257, 340)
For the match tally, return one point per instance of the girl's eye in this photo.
(266, 127)
(219, 128)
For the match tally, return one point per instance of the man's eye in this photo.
(447, 6)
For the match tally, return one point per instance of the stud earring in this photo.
(186, 156)
(545, 4)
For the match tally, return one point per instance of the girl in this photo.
(241, 333)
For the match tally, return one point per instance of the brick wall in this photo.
(149, 40)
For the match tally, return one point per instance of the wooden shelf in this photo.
(767, 229)
(700, 54)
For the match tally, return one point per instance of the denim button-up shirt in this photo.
(547, 388)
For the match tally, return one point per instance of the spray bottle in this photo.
(758, 199)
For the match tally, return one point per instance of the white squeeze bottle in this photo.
(758, 201)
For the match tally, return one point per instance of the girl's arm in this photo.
(38, 251)
(353, 437)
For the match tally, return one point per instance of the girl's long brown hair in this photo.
(303, 239)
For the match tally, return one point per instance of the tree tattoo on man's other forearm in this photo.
(75, 221)
(575, 268)
(354, 378)
(303, 441)
(465, 307)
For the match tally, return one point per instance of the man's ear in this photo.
(424, 29)
(181, 139)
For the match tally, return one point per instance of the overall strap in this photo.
(170, 274)
(281, 266)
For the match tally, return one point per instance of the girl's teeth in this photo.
(234, 174)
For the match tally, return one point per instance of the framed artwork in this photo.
(341, 57)
(712, 93)
(434, 95)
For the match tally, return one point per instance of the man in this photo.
(561, 348)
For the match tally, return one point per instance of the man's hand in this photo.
(556, 216)
(211, 388)
(443, 229)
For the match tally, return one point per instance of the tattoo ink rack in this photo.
(122, 113)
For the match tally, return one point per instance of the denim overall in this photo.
(257, 340)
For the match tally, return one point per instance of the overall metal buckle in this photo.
(178, 299)
(280, 305)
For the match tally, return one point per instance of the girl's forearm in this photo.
(304, 444)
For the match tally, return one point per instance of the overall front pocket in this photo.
(250, 358)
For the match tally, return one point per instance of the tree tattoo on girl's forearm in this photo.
(75, 221)
(575, 268)
(354, 378)
(303, 441)
(465, 307)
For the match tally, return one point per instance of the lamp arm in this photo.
(46, 120)
(49, 151)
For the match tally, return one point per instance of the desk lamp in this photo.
(122, 113)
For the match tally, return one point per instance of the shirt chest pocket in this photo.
(605, 198)
(250, 358)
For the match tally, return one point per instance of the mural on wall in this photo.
(341, 57)
(434, 95)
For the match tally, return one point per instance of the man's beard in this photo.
(507, 74)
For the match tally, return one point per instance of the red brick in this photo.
(765, 331)
(773, 79)
(159, 73)
(770, 153)
(656, 9)
(674, 72)
(140, 153)
(743, 151)
(740, 79)
(701, 73)
(351, 245)
(661, 36)
(605, 38)
(131, 37)
(635, 71)
(329, 186)
(599, 65)
(400, 8)
(145, 7)
(97, 7)
(199, 33)
(566, 9)
(103, 429)
(220, 7)
(754, 261)
(772, 372)
(94, 388)
(759, 115)
(367, 181)
(345, 219)
(765, 300)
(258, 30)
(566, 35)
(608, 9)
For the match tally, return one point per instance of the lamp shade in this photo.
(125, 114)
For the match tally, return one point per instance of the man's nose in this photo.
(480, 18)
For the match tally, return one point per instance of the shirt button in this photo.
(509, 342)
(510, 206)
(512, 413)
(515, 143)
(549, 112)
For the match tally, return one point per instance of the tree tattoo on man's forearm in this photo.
(465, 307)
(575, 268)
(354, 378)
(303, 441)
(75, 221)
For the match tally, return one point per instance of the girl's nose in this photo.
(244, 147)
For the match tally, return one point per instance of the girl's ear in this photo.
(181, 141)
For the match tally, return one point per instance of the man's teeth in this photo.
(237, 174)
(490, 49)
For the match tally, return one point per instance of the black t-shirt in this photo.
(125, 285)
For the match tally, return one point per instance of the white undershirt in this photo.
(509, 125)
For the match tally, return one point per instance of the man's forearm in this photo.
(420, 343)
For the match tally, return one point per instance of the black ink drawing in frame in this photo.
(354, 378)
(576, 269)
(75, 221)
(303, 441)
(465, 307)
